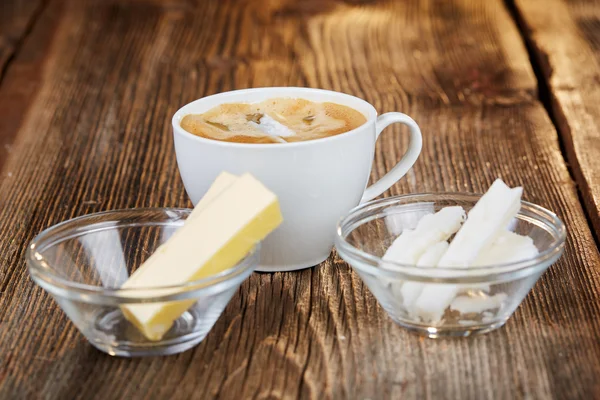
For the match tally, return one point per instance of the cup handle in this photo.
(408, 159)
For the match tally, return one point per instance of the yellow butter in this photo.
(222, 182)
(218, 234)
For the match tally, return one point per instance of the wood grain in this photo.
(21, 67)
(16, 19)
(565, 38)
(97, 136)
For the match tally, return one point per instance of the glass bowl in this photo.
(465, 301)
(83, 262)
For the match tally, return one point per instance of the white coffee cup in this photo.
(317, 181)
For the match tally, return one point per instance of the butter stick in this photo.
(222, 182)
(216, 237)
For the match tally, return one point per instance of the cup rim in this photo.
(370, 263)
(177, 129)
(42, 274)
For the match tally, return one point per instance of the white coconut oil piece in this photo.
(490, 216)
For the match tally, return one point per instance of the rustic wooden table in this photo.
(500, 89)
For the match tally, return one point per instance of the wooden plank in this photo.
(564, 35)
(98, 137)
(16, 19)
(21, 66)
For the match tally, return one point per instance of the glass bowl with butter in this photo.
(430, 288)
(84, 263)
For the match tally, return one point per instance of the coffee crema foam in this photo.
(277, 120)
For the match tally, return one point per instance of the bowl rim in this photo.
(371, 263)
(42, 273)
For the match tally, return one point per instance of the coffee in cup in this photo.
(276, 120)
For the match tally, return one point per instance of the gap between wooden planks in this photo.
(564, 36)
(17, 20)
